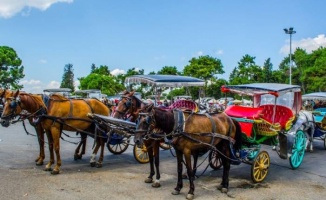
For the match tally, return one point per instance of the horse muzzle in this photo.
(5, 123)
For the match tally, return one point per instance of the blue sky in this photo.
(149, 34)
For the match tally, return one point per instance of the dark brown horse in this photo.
(130, 105)
(62, 114)
(193, 134)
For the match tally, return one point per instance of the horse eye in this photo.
(148, 120)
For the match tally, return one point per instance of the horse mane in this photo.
(34, 99)
(58, 97)
(164, 119)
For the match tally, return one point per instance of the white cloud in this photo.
(162, 57)
(116, 72)
(43, 61)
(200, 53)
(9, 8)
(53, 84)
(219, 52)
(309, 44)
(30, 82)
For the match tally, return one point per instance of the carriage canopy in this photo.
(269, 93)
(165, 80)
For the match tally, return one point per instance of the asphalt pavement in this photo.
(22, 179)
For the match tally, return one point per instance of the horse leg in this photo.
(179, 186)
(93, 156)
(195, 164)
(190, 172)
(56, 144)
(150, 151)
(40, 136)
(156, 148)
(311, 138)
(51, 161)
(226, 168)
(184, 175)
(82, 143)
(100, 160)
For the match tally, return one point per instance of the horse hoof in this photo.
(48, 169)
(148, 180)
(39, 163)
(175, 192)
(99, 165)
(190, 196)
(93, 164)
(156, 185)
(55, 172)
(77, 157)
(224, 190)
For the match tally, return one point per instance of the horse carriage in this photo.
(316, 103)
(273, 120)
(122, 130)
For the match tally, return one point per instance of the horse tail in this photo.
(238, 135)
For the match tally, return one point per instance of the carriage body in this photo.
(118, 139)
(270, 120)
(316, 103)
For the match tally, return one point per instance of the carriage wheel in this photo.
(260, 166)
(120, 147)
(298, 149)
(165, 146)
(215, 161)
(141, 154)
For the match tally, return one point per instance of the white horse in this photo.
(305, 122)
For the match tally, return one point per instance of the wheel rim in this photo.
(119, 148)
(298, 150)
(260, 167)
(141, 154)
(215, 161)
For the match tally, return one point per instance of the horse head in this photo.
(145, 123)
(128, 106)
(11, 107)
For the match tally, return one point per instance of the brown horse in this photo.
(193, 134)
(34, 108)
(130, 105)
(62, 114)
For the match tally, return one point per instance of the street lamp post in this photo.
(290, 31)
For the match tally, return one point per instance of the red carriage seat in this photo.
(283, 115)
(243, 112)
(184, 104)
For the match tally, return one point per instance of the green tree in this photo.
(204, 67)
(68, 77)
(314, 74)
(100, 78)
(169, 70)
(267, 71)
(246, 72)
(11, 70)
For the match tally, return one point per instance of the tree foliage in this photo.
(11, 70)
(100, 78)
(68, 77)
(169, 70)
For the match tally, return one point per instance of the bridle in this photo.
(127, 106)
(149, 120)
(14, 103)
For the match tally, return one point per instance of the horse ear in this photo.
(16, 93)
